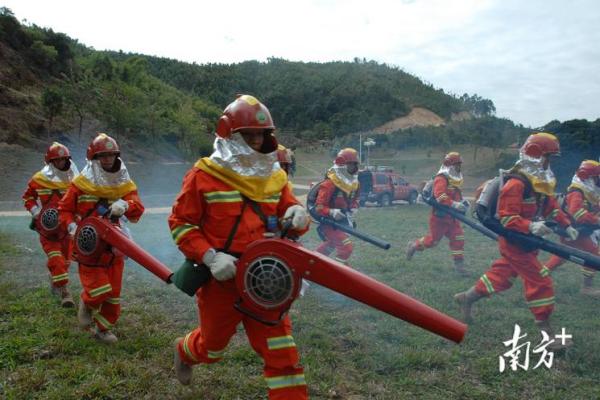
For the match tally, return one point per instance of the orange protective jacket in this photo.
(46, 196)
(76, 204)
(516, 211)
(581, 210)
(206, 210)
(444, 194)
(331, 197)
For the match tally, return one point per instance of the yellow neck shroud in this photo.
(539, 185)
(254, 187)
(107, 192)
(42, 180)
(347, 188)
(589, 196)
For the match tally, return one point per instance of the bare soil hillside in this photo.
(418, 116)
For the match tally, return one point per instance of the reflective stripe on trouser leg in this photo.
(275, 344)
(193, 350)
(498, 278)
(458, 254)
(219, 319)
(539, 290)
(57, 264)
(588, 272)
(338, 240)
(102, 292)
(545, 271)
(456, 238)
(344, 250)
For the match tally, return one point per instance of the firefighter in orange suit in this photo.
(446, 191)
(103, 183)
(582, 206)
(338, 199)
(528, 192)
(228, 200)
(44, 190)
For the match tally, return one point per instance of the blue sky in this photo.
(536, 60)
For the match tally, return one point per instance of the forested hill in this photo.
(52, 86)
(331, 98)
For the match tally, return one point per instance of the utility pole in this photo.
(368, 143)
(360, 147)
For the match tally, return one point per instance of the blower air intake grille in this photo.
(87, 239)
(49, 219)
(269, 282)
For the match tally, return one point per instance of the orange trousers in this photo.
(539, 289)
(102, 290)
(275, 344)
(59, 259)
(335, 240)
(440, 227)
(584, 243)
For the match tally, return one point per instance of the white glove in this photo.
(221, 265)
(539, 228)
(71, 228)
(337, 214)
(572, 232)
(304, 287)
(35, 211)
(118, 208)
(457, 205)
(298, 215)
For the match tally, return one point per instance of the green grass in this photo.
(349, 351)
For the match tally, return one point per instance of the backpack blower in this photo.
(345, 226)
(486, 207)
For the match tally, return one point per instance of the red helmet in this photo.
(541, 144)
(345, 156)
(102, 144)
(56, 150)
(245, 112)
(452, 158)
(588, 169)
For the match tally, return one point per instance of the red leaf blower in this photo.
(269, 275)
(95, 235)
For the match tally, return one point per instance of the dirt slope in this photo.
(418, 116)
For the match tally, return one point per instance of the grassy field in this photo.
(349, 351)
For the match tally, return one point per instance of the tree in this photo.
(81, 94)
(43, 55)
(478, 106)
(52, 103)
